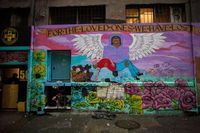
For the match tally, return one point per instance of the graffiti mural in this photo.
(149, 67)
(148, 98)
(36, 86)
(114, 91)
(81, 73)
(39, 66)
(122, 53)
(92, 102)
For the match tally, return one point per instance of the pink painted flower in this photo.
(181, 83)
(148, 85)
(161, 101)
(147, 101)
(187, 100)
(173, 93)
(133, 89)
(160, 85)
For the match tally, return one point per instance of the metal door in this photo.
(60, 65)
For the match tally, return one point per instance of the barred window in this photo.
(155, 13)
(146, 15)
(14, 16)
(139, 15)
(77, 15)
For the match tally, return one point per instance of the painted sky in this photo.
(175, 53)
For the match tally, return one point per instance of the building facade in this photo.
(71, 77)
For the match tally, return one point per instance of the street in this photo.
(83, 122)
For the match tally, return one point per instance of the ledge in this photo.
(3, 48)
(72, 84)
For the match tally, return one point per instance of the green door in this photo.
(60, 65)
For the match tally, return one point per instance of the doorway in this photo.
(58, 97)
(13, 85)
(60, 65)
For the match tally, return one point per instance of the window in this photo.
(14, 17)
(139, 15)
(77, 15)
(146, 15)
(177, 13)
(155, 13)
(132, 16)
(59, 65)
(58, 97)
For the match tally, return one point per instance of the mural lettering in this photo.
(126, 28)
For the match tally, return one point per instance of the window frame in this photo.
(138, 8)
(158, 11)
(15, 17)
(95, 14)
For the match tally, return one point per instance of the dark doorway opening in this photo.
(58, 97)
(13, 85)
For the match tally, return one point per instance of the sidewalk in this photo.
(8, 119)
(82, 122)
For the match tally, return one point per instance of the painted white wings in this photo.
(144, 44)
(89, 45)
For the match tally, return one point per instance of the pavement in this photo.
(83, 122)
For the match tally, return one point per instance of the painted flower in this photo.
(156, 95)
(117, 104)
(39, 69)
(148, 85)
(183, 89)
(161, 101)
(135, 104)
(187, 100)
(160, 85)
(133, 89)
(173, 93)
(181, 83)
(39, 55)
(92, 97)
(147, 101)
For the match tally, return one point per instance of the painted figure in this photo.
(110, 58)
(117, 56)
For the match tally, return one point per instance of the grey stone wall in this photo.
(195, 10)
(115, 10)
(15, 3)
